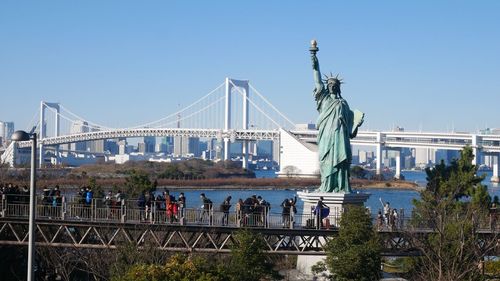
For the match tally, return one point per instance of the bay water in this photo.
(398, 198)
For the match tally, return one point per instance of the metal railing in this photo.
(156, 212)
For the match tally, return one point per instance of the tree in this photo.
(4, 172)
(138, 182)
(177, 268)
(358, 172)
(354, 255)
(452, 206)
(291, 171)
(248, 260)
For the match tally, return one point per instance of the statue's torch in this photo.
(314, 47)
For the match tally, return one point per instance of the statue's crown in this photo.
(333, 79)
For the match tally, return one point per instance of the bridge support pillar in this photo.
(244, 153)
(495, 178)
(398, 165)
(226, 148)
(378, 154)
(41, 134)
(476, 150)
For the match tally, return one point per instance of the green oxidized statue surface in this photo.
(336, 124)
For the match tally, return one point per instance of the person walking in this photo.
(206, 208)
(224, 208)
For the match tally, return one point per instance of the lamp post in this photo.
(23, 136)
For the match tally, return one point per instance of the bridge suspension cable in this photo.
(179, 111)
(194, 113)
(33, 121)
(271, 105)
(260, 109)
(207, 112)
(91, 124)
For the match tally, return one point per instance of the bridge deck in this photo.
(94, 226)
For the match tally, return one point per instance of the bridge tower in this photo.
(243, 86)
(43, 131)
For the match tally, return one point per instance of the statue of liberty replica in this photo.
(336, 124)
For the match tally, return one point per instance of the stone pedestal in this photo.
(336, 202)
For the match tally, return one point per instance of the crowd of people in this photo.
(252, 211)
(14, 192)
(173, 207)
(387, 217)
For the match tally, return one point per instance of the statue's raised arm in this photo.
(316, 72)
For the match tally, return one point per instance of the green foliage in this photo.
(202, 169)
(248, 261)
(492, 267)
(452, 205)
(98, 190)
(177, 268)
(355, 253)
(138, 182)
(358, 172)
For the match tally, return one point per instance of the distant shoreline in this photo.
(233, 183)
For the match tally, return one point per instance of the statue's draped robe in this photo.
(335, 126)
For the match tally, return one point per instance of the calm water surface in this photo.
(397, 198)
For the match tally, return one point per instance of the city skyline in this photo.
(422, 66)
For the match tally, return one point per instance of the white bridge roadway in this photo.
(449, 141)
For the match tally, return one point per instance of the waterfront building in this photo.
(424, 156)
(365, 157)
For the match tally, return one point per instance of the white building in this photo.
(6, 130)
(424, 156)
(297, 158)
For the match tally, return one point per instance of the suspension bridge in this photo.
(235, 111)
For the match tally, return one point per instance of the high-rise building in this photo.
(178, 146)
(6, 130)
(77, 127)
(193, 146)
(170, 144)
(184, 146)
(141, 147)
(365, 157)
(112, 146)
(97, 145)
(425, 156)
(122, 146)
(265, 148)
(149, 143)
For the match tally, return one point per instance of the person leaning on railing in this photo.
(288, 205)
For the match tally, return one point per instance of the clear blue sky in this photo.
(426, 65)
